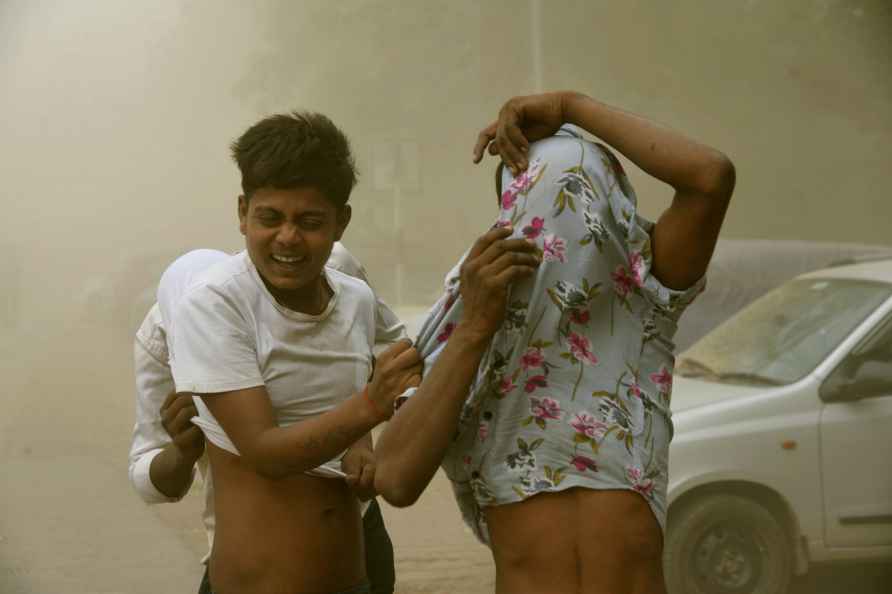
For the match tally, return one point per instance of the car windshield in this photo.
(784, 335)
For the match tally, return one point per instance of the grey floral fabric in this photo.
(574, 389)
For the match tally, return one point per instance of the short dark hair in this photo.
(294, 150)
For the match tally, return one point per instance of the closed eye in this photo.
(312, 224)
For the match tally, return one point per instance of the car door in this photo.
(856, 444)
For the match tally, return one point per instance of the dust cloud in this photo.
(116, 120)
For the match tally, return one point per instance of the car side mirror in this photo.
(858, 377)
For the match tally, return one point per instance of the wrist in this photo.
(375, 413)
(185, 457)
(471, 336)
(571, 102)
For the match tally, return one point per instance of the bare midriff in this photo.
(295, 535)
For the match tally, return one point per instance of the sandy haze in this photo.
(116, 117)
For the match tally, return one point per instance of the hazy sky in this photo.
(117, 116)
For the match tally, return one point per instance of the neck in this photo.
(311, 300)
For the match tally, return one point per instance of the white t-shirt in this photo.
(229, 333)
(154, 380)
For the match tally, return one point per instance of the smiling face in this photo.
(289, 235)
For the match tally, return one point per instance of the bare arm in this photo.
(247, 417)
(702, 177)
(171, 471)
(412, 446)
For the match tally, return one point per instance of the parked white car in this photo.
(782, 454)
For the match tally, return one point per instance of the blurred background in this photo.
(115, 120)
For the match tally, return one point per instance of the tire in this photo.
(726, 544)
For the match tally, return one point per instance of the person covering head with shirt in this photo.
(557, 440)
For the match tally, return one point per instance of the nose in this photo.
(289, 235)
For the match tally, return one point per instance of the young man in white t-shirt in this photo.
(167, 447)
(278, 350)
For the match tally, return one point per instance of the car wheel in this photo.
(726, 544)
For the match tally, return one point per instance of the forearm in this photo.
(412, 445)
(280, 451)
(366, 442)
(171, 471)
(666, 154)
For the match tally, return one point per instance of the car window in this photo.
(867, 371)
(785, 334)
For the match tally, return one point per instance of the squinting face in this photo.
(289, 235)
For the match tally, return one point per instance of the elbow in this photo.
(717, 177)
(394, 491)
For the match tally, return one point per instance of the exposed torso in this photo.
(297, 535)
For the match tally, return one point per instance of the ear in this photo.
(343, 219)
(243, 214)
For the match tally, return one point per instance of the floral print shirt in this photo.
(574, 389)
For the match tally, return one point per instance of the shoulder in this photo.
(221, 274)
(350, 286)
(226, 289)
(343, 261)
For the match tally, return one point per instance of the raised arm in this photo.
(247, 418)
(412, 445)
(702, 177)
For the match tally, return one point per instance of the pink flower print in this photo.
(547, 408)
(583, 463)
(662, 380)
(579, 316)
(523, 182)
(535, 382)
(532, 359)
(586, 424)
(483, 431)
(580, 348)
(509, 197)
(635, 390)
(636, 265)
(466, 460)
(623, 284)
(506, 385)
(535, 228)
(501, 223)
(554, 249)
(444, 335)
(643, 485)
